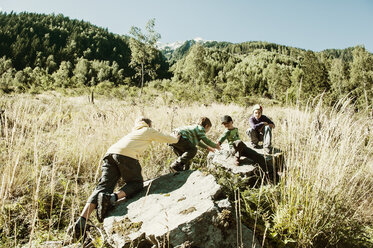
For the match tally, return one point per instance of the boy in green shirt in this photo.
(231, 132)
(237, 146)
(190, 137)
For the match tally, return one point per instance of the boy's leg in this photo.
(186, 152)
(107, 182)
(110, 175)
(176, 150)
(87, 210)
(243, 150)
(267, 137)
(254, 137)
(130, 171)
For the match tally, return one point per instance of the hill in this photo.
(32, 40)
(53, 42)
(52, 52)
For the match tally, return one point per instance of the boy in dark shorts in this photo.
(120, 161)
(237, 146)
(190, 137)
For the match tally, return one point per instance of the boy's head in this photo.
(227, 121)
(257, 111)
(144, 119)
(206, 123)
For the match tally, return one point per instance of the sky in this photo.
(308, 24)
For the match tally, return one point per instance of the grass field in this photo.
(51, 149)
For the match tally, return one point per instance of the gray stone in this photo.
(181, 209)
(225, 160)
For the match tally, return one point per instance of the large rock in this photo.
(247, 169)
(183, 209)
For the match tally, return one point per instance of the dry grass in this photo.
(52, 146)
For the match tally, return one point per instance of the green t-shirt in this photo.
(195, 134)
(231, 135)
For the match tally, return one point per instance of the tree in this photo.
(81, 71)
(278, 80)
(315, 79)
(361, 81)
(62, 76)
(195, 66)
(143, 50)
(338, 75)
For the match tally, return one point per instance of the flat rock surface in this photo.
(177, 209)
(225, 159)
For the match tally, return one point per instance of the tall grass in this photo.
(52, 146)
(325, 198)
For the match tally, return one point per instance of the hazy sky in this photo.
(308, 24)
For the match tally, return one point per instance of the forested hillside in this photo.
(49, 52)
(54, 51)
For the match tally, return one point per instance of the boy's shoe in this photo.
(256, 146)
(78, 230)
(177, 167)
(103, 206)
(267, 150)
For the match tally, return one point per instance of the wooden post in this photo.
(91, 97)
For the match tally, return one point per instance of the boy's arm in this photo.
(200, 144)
(208, 142)
(257, 126)
(223, 137)
(269, 121)
(160, 137)
(210, 149)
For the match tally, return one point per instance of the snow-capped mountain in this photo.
(177, 44)
(171, 46)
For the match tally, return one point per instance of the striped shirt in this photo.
(195, 134)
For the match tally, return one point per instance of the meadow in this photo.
(51, 148)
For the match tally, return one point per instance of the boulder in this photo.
(247, 169)
(183, 209)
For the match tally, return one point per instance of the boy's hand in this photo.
(237, 162)
(218, 146)
(210, 149)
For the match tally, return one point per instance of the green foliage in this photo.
(143, 51)
(46, 40)
(315, 76)
(361, 78)
(75, 53)
(51, 52)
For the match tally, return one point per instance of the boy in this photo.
(231, 132)
(120, 161)
(236, 145)
(260, 129)
(190, 137)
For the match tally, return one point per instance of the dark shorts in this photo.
(114, 167)
(185, 150)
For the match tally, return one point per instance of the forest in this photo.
(51, 52)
